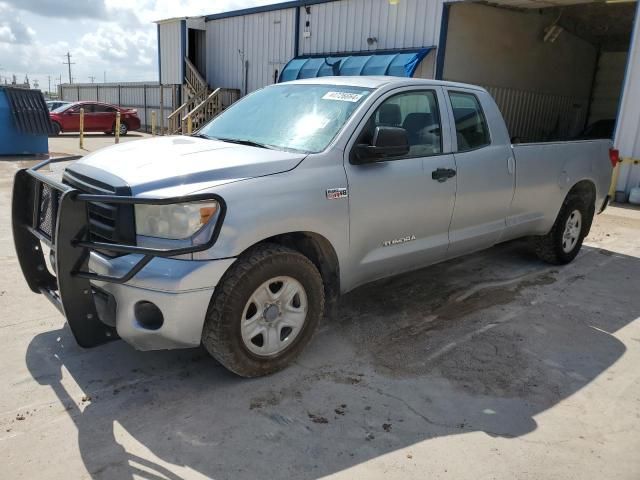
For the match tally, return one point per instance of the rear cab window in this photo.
(472, 131)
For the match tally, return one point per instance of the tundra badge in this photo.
(397, 241)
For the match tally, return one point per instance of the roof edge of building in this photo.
(265, 8)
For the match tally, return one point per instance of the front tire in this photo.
(56, 129)
(124, 129)
(562, 244)
(264, 311)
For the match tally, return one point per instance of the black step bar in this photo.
(69, 288)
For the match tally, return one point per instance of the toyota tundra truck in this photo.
(241, 236)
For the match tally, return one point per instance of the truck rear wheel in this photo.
(264, 311)
(562, 244)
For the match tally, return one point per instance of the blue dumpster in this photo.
(24, 122)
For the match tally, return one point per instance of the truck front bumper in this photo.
(176, 292)
(103, 297)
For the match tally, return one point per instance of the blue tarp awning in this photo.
(402, 63)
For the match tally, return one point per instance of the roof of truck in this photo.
(380, 81)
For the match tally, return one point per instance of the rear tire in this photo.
(562, 244)
(264, 311)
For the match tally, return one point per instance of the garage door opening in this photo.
(557, 73)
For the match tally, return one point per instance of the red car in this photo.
(98, 117)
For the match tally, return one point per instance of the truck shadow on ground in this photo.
(483, 343)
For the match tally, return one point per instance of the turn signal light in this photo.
(206, 213)
(614, 156)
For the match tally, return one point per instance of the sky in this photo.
(112, 39)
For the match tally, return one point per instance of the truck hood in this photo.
(188, 162)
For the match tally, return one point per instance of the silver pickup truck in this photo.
(241, 236)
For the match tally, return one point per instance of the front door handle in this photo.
(443, 174)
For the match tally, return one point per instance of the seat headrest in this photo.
(417, 121)
(390, 115)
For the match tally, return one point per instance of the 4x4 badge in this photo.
(336, 193)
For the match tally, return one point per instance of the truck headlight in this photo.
(175, 221)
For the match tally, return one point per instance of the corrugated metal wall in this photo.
(628, 130)
(145, 97)
(537, 117)
(265, 40)
(171, 52)
(225, 42)
(345, 26)
(269, 45)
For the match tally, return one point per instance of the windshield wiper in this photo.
(201, 135)
(249, 143)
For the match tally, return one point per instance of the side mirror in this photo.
(387, 142)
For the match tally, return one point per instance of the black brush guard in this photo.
(70, 288)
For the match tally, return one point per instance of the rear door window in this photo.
(472, 131)
(103, 109)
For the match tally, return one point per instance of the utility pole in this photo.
(92, 78)
(49, 89)
(104, 76)
(68, 63)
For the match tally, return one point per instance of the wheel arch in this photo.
(585, 189)
(322, 254)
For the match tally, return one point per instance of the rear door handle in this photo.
(443, 174)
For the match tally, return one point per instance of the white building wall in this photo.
(345, 26)
(269, 45)
(265, 40)
(628, 129)
(225, 42)
(171, 52)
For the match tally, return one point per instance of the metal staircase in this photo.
(201, 103)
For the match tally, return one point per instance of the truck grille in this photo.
(108, 222)
(48, 210)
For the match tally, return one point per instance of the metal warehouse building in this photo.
(555, 68)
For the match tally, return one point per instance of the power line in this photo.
(69, 63)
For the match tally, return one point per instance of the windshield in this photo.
(302, 118)
(62, 108)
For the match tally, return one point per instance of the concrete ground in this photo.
(492, 366)
(69, 143)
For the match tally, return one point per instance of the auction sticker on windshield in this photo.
(342, 96)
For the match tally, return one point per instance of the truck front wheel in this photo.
(264, 311)
(562, 244)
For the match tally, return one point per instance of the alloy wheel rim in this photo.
(123, 129)
(572, 231)
(274, 316)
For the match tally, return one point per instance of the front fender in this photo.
(272, 205)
